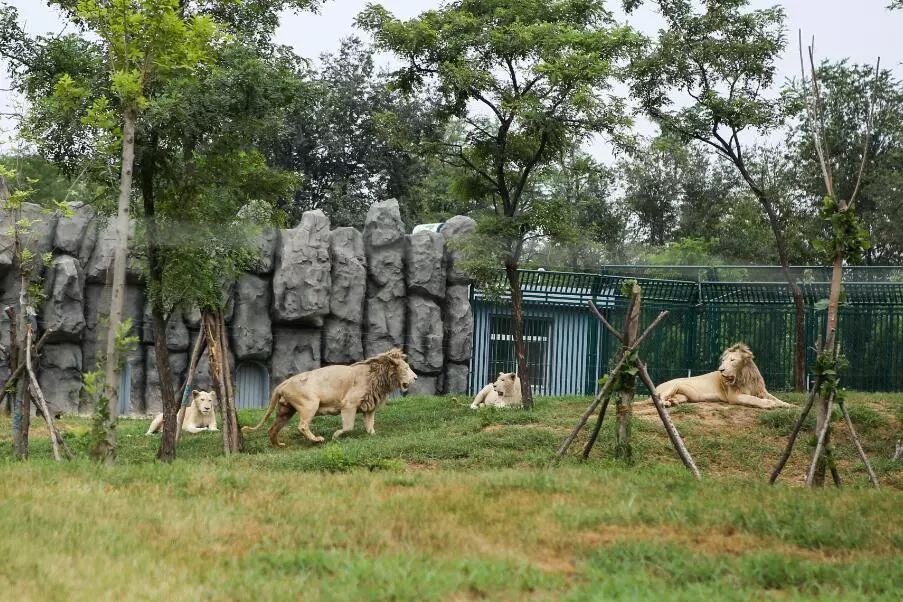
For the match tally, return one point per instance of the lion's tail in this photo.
(274, 399)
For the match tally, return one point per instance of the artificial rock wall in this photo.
(315, 297)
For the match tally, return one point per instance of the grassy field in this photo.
(445, 503)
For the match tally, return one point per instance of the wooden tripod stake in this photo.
(629, 344)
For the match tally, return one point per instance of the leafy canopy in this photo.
(527, 80)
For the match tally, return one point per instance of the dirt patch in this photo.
(707, 414)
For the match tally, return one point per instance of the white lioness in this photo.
(503, 393)
(737, 381)
(200, 415)
(341, 390)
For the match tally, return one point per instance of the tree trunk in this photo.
(799, 346)
(226, 408)
(230, 415)
(167, 450)
(823, 417)
(117, 299)
(18, 326)
(623, 450)
(517, 314)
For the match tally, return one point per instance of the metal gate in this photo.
(125, 389)
(252, 386)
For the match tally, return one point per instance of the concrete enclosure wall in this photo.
(316, 296)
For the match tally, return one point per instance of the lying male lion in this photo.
(341, 390)
(200, 415)
(503, 393)
(737, 381)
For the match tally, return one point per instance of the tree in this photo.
(723, 60)
(528, 79)
(844, 92)
(586, 187)
(847, 241)
(338, 137)
(144, 43)
(198, 141)
(652, 179)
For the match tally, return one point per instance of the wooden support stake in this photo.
(846, 416)
(606, 389)
(189, 379)
(605, 323)
(791, 441)
(623, 449)
(38, 396)
(592, 439)
(20, 369)
(810, 476)
(236, 442)
(676, 440)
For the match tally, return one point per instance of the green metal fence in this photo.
(761, 314)
(567, 351)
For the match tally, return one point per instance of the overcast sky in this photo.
(861, 30)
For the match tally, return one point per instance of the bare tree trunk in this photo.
(117, 299)
(823, 417)
(21, 396)
(799, 348)
(189, 378)
(627, 390)
(56, 439)
(517, 314)
(230, 417)
(225, 406)
(167, 450)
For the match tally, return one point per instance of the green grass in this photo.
(445, 503)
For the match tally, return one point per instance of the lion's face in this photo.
(733, 361)
(203, 401)
(406, 376)
(504, 385)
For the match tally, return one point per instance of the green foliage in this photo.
(847, 92)
(724, 58)
(101, 438)
(354, 140)
(540, 71)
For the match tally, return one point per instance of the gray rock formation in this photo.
(39, 241)
(97, 308)
(425, 260)
(60, 376)
(457, 378)
(176, 332)
(202, 378)
(265, 251)
(77, 235)
(384, 326)
(294, 351)
(153, 398)
(341, 342)
(252, 336)
(453, 231)
(64, 306)
(101, 260)
(424, 385)
(458, 324)
(349, 274)
(425, 335)
(302, 280)
(314, 297)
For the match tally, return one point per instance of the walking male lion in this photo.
(737, 381)
(332, 390)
